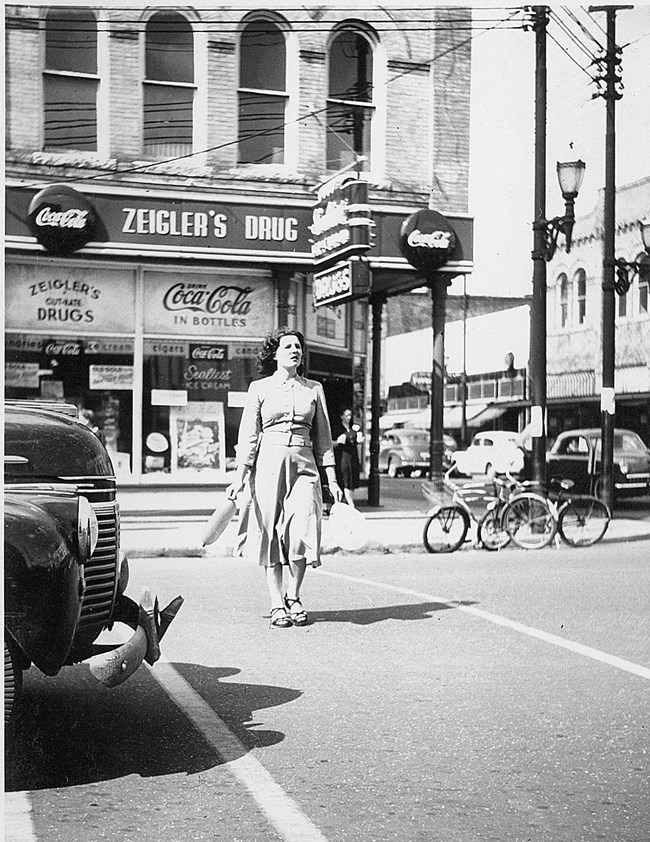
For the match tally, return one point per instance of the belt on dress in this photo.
(285, 437)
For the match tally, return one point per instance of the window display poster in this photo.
(198, 437)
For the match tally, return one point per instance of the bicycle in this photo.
(582, 519)
(522, 516)
(451, 516)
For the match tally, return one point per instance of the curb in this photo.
(634, 531)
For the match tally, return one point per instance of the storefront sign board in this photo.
(60, 298)
(343, 282)
(233, 306)
(152, 222)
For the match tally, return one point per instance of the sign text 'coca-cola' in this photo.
(427, 240)
(62, 219)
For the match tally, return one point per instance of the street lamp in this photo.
(545, 235)
(569, 175)
(627, 268)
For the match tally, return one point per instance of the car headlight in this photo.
(87, 528)
(624, 467)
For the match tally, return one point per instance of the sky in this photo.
(502, 133)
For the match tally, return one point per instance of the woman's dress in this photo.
(284, 437)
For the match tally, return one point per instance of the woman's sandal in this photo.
(298, 617)
(280, 621)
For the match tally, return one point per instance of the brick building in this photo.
(160, 176)
(574, 313)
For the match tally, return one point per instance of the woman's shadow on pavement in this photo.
(367, 616)
(73, 731)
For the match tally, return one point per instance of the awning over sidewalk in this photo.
(477, 414)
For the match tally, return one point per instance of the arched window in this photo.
(622, 306)
(168, 86)
(262, 93)
(581, 296)
(350, 107)
(644, 282)
(564, 286)
(70, 80)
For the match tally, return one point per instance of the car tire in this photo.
(13, 684)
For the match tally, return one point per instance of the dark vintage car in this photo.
(576, 455)
(64, 576)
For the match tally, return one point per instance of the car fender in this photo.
(43, 580)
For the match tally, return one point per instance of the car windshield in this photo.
(625, 442)
(414, 438)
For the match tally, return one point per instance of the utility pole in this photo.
(610, 94)
(538, 304)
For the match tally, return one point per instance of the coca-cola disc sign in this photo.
(61, 219)
(427, 240)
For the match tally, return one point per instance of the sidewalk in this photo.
(176, 528)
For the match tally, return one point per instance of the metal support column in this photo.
(377, 303)
(438, 317)
(538, 304)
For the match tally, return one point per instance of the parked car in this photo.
(64, 576)
(575, 452)
(406, 449)
(497, 450)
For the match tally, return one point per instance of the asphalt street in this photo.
(466, 697)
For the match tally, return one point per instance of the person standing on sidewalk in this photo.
(347, 456)
(284, 437)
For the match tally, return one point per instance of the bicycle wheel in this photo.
(446, 530)
(529, 521)
(583, 521)
(490, 532)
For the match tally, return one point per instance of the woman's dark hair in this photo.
(266, 363)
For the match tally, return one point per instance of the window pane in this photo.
(71, 41)
(170, 49)
(70, 112)
(348, 134)
(261, 114)
(168, 118)
(350, 68)
(262, 57)
(622, 306)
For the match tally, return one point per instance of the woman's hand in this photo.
(335, 488)
(237, 485)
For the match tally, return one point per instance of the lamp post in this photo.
(545, 237)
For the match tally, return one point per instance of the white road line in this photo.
(530, 631)
(19, 826)
(281, 811)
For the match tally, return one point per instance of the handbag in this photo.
(218, 521)
(349, 526)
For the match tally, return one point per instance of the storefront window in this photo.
(93, 373)
(192, 402)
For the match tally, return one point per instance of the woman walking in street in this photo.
(347, 456)
(284, 437)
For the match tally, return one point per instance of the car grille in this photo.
(101, 571)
